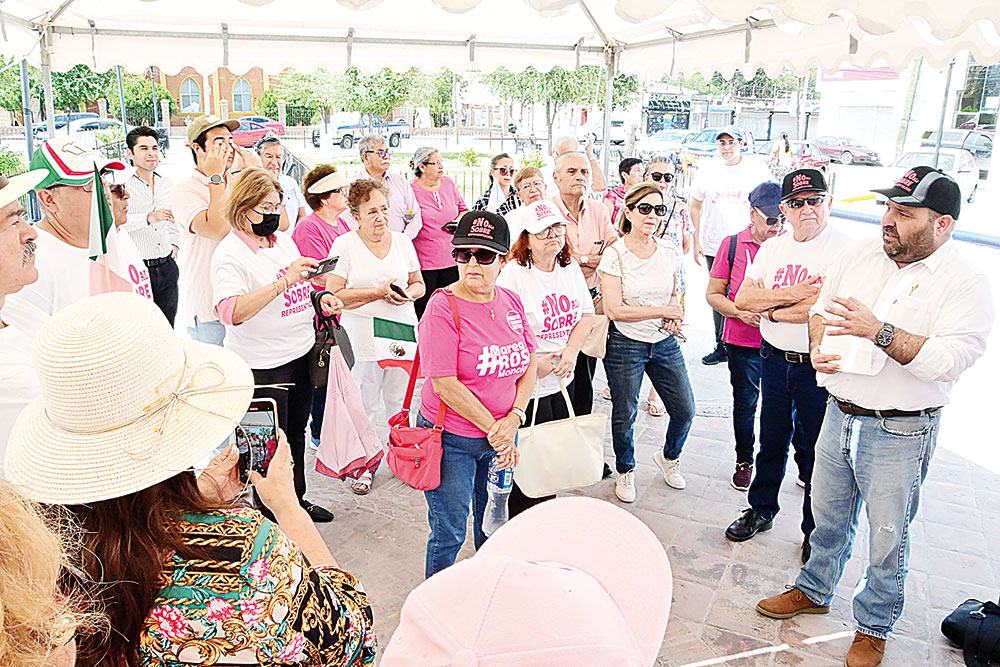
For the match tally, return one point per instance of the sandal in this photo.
(362, 485)
(657, 409)
(606, 394)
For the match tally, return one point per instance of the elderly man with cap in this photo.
(404, 211)
(19, 320)
(66, 272)
(742, 330)
(198, 206)
(898, 320)
(781, 284)
(718, 208)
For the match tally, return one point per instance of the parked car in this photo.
(347, 127)
(594, 130)
(275, 126)
(86, 131)
(977, 142)
(61, 119)
(249, 133)
(805, 154)
(703, 144)
(662, 142)
(847, 151)
(956, 162)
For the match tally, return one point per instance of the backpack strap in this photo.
(732, 258)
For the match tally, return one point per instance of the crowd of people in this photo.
(850, 347)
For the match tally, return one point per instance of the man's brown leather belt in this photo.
(849, 408)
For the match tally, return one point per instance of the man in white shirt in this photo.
(718, 209)
(150, 221)
(782, 284)
(404, 211)
(898, 320)
(19, 320)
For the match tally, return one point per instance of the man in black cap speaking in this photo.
(897, 321)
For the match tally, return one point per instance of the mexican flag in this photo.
(109, 270)
(395, 343)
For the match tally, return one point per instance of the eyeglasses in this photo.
(266, 209)
(483, 256)
(531, 186)
(117, 190)
(506, 171)
(558, 229)
(666, 176)
(435, 164)
(382, 152)
(342, 190)
(771, 219)
(86, 187)
(644, 208)
(815, 200)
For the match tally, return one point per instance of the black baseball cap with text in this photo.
(926, 187)
(482, 229)
(802, 180)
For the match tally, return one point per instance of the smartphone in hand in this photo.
(257, 437)
(324, 267)
(399, 291)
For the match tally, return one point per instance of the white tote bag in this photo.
(560, 455)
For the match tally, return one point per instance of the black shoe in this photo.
(806, 551)
(716, 356)
(316, 513)
(748, 525)
(607, 471)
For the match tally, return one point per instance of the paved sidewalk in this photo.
(955, 550)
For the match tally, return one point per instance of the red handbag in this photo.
(415, 451)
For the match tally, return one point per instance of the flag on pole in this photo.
(109, 270)
(395, 343)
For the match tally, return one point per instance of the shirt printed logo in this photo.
(503, 361)
(296, 297)
(514, 321)
(789, 275)
(561, 315)
(140, 281)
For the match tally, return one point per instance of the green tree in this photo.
(138, 93)
(305, 95)
(10, 86)
(374, 95)
(79, 86)
(436, 91)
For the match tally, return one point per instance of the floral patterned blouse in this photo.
(255, 600)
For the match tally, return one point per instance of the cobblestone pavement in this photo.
(955, 549)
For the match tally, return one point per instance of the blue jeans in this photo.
(744, 376)
(790, 403)
(881, 463)
(464, 465)
(208, 332)
(625, 361)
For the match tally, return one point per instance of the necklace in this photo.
(489, 309)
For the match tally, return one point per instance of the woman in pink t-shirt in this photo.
(440, 205)
(481, 372)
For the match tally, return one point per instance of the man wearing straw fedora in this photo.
(19, 320)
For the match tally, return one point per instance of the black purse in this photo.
(328, 333)
(975, 626)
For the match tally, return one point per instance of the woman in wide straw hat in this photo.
(127, 410)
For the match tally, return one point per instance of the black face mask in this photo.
(267, 226)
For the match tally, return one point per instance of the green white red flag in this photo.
(108, 270)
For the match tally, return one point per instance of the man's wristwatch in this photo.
(215, 179)
(885, 335)
(584, 259)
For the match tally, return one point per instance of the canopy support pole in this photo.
(34, 212)
(121, 96)
(50, 111)
(944, 112)
(611, 58)
(156, 112)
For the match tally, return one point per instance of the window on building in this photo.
(190, 96)
(242, 97)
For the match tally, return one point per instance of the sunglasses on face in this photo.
(665, 176)
(770, 219)
(465, 255)
(117, 190)
(382, 152)
(644, 208)
(816, 200)
(506, 171)
(551, 231)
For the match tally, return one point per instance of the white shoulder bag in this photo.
(560, 455)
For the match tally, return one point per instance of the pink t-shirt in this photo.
(493, 351)
(737, 332)
(314, 236)
(437, 208)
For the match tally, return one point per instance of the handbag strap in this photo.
(534, 403)
(323, 322)
(415, 369)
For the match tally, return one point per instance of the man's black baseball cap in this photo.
(926, 187)
(482, 229)
(802, 180)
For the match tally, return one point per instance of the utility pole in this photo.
(944, 112)
(911, 95)
(156, 102)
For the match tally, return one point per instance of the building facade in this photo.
(221, 92)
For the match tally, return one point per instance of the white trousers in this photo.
(385, 386)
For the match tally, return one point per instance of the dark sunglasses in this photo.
(117, 190)
(450, 227)
(384, 152)
(770, 219)
(816, 200)
(483, 256)
(658, 175)
(644, 208)
(506, 171)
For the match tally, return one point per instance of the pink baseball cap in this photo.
(573, 582)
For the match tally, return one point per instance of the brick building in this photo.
(198, 93)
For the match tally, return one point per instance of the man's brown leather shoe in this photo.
(866, 651)
(790, 603)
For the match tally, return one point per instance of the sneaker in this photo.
(314, 443)
(625, 487)
(671, 470)
(607, 474)
(801, 482)
(716, 356)
(790, 603)
(742, 476)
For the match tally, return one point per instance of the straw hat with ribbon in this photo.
(125, 403)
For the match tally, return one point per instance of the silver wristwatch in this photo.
(584, 259)
(215, 179)
(885, 335)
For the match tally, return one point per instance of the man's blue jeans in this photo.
(744, 376)
(464, 465)
(625, 361)
(790, 403)
(880, 462)
(208, 332)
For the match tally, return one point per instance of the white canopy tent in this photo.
(631, 36)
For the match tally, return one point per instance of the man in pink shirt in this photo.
(742, 328)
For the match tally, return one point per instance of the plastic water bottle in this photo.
(498, 483)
